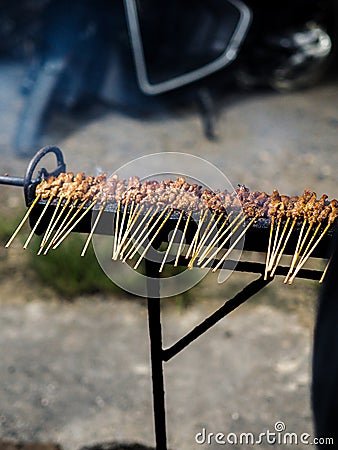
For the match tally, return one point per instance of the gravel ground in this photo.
(78, 373)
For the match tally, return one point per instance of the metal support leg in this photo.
(156, 353)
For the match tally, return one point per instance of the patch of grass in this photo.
(69, 274)
(64, 270)
(8, 224)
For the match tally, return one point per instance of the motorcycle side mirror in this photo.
(178, 42)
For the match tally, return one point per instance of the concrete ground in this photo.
(78, 373)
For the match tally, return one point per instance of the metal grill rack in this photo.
(256, 240)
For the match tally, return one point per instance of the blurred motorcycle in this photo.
(128, 53)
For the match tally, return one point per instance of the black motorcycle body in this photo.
(130, 51)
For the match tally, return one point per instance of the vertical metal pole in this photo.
(156, 353)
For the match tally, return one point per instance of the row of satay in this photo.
(183, 196)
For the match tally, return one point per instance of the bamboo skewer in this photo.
(325, 271)
(64, 226)
(206, 240)
(199, 232)
(140, 235)
(221, 261)
(280, 241)
(117, 218)
(310, 242)
(283, 247)
(153, 238)
(267, 263)
(195, 238)
(228, 233)
(305, 258)
(119, 236)
(232, 232)
(182, 239)
(206, 236)
(51, 242)
(148, 232)
(74, 225)
(296, 254)
(121, 228)
(49, 228)
(89, 238)
(203, 240)
(304, 241)
(171, 241)
(131, 225)
(21, 224)
(131, 213)
(37, 222)
(305, 238)
(219, 235)
(274, 243)
(307, 248)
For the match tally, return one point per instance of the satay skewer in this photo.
(153, 238)
(125, 208)
(284, 245)
(218, 236)
(137, 236)
(199, 232)
(267, 262)
(301, 264)
(119, 235)
(208, 232)
(195, 238)
(306, 237)
(65, 225)
(93, 203)
(182, 239)
(233, 245)
(133, 215)
(135, 233)
(304, 241)
(115, 256)
(228, 232)
(52, 241)
(325, 271)
(21, 224)
(133, 222)
(274, 257)
(307, 248)
(296, 253)
(117, 218)
(310, 242)
(275, 243)
(171, 241)
(204, 237)
(38, 222)
(149, 231)
(89, 238)
(48, 232)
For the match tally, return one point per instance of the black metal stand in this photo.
(156, 353)
(160, 355)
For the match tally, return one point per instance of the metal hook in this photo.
(29, 183)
